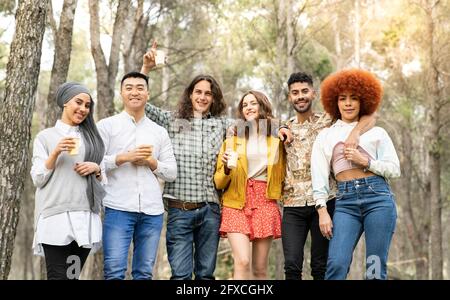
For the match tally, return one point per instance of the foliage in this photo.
(7, 6)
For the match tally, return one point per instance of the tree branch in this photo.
(113, 65)
(96, 47)
(51, 21)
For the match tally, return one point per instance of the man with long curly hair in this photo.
(299, 212)
(197, 130)
(364, 202)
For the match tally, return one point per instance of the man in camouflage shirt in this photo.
(299, 211)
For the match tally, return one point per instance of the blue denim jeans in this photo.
(192, 239)
(119, 228)
(362, 205)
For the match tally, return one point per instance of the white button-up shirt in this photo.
(135, 188)
(376, 142)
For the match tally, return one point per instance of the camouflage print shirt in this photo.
(297, 190)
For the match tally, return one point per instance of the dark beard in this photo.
(307, 108)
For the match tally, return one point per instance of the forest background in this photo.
(245, 44)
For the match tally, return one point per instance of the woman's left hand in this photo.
(355, 156)
(86, 168)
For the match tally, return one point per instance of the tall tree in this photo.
(280, 56)
(338, 57)
(165, 76)
(415, 106)
(357, 33)
(22, 75)
(136, 43)
(106, 72)
(61, 60)
(434, 104)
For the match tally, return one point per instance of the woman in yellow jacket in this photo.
(250, 216)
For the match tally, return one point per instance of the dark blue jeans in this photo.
(362, 205)
(119, 228)
(192, 239)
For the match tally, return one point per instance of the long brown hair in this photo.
(185, 109)
(264, 114)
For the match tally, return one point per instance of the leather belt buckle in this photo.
(184, 205)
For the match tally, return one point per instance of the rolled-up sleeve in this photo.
(167, 165)
(320, 171)
(109, 162)
(39, 172)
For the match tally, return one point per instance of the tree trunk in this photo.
(434, 148)
(414, 231)
(278, 97)
(16, 113)
(42, 269)
(61, 60)
(279, 259)
(27, 213)
(284, 46)
(357, 33)
(135, 43)
(340, 60)
(165, 80)
(280, 55)
(106, 73)
(290, 39)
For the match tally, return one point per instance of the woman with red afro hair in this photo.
(363, 84)
(364, 202)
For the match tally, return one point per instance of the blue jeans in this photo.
(192, 239)
(362, 205)
(119, 228)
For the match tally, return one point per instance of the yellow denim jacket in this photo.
(235, 184)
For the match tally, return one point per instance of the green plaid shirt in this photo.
(196, 144)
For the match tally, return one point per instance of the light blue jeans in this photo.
(362, 205)
(119, 228)
(192, 239)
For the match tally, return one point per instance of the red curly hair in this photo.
(362, 83)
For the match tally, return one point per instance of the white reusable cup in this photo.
(160, 58)
(233, 159)
(74, 150)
